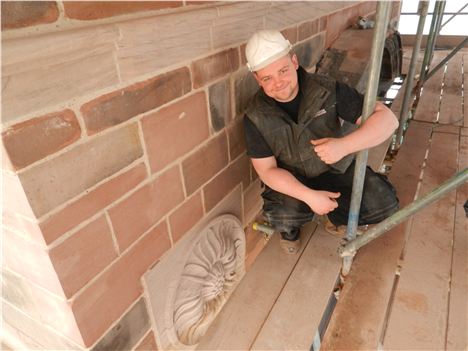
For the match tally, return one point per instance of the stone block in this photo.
(15, 200)
(119, 106)
(236, 139)
(147, 45)
(99, 305)
(309, 28)
(186, 216)
(83, 255)
(127, 332)
(310, 51)
(92, 10)
(35, 334)
(22, 226)
(16, 292)
(175, 130)
(237, 172)
(44, 72)
(215, 66)
(18, 14)
(252, 201)
(29, 261)
(337, 22)
(51, 183)
(148, 343)
(220, 104)
(91, 203)
(36, 138)
(203, 164)
(291, 34)
(144, 208)
(245, 86)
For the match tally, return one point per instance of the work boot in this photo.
(340, 230)
(290, 242)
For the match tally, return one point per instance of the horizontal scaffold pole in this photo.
(351, 247)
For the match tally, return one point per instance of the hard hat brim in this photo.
(271, 59)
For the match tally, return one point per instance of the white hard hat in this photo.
(265, 47)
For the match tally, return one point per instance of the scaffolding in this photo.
(349, 249)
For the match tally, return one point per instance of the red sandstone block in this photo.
(29, 261)
(91, 203)
(338, 22)
(290, 34)
(236, 139)
(186, 216)
(252, 200)
(214, 66)
(119, 106)
(83, 255)
(242, 54)
(205, 163)
(175, 130)
(136, 214)
(148, 343)
(18, 14)
(91, 10)
(237, 172)
(323, 23)
(106, 299)
(309, 28)
(36, 138)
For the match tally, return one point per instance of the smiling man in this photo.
(299, 148)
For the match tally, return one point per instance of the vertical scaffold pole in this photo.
(430, 44)
(378, 42)
(406, 105)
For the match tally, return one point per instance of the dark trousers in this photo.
(379, 200)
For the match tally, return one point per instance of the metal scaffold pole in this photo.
(407, 99)
(382, 19)
(351, 247)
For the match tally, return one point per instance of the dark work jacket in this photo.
(317, 118)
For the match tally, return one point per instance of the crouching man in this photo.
(299, 148)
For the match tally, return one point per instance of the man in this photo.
(299, 147)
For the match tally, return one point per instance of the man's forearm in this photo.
(284, 182)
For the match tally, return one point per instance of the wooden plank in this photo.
(359, 314)
(296, 315)
(451, 111)
(238, 323)
(428, 105)
(418, 318)
(458, 307)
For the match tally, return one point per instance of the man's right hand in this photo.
(321, 202)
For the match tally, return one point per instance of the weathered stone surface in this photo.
(144, 208)
(51, 183)
(34, 139)
(220, 104)
(290, 34)
(17, 14)
(309, 51)
(91, 203)
(91, 10)
(175, 130)
(43, 72)
(245, 87)
(119, 106)
(186, 216)
(237, 172)
(127, 332)
(97, 307)
(205, 163)
(16, 292)
(214, 66)
(252, 201)
(82, 256)
(34, 333)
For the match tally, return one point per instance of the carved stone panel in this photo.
(188, 288)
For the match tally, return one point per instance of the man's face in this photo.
(279, 79)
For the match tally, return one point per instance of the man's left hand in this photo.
(329, 150)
